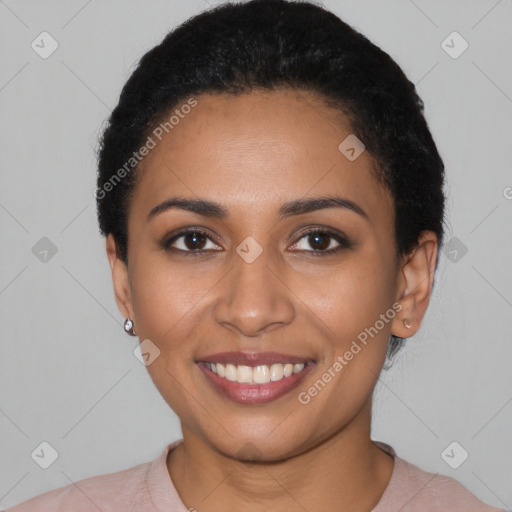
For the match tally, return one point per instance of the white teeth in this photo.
(231, 373)
(298, 367)
(221, 370)
(262, 374)
(244, 374)
(276, 372)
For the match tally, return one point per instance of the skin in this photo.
(252, 153)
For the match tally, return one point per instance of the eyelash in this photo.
(342, 241)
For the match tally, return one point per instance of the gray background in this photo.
(68, 375)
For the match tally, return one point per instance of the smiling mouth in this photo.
(253, 379)
(261, 374)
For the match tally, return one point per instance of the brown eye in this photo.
(319, 240)
(190, 241)
(322, 241)
(194, 240)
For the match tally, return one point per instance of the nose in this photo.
(254, 297)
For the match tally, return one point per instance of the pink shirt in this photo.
(148, 488)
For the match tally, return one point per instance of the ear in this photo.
(120, 279)
(415, 282)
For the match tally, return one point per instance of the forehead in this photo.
(256, 149)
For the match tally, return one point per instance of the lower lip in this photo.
(244, 393)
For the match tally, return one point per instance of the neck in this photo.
(345, 471)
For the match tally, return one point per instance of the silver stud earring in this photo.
(128, 327)
(407, 324)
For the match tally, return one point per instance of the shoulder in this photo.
(121, 490)
(441, 492)
(413, 490)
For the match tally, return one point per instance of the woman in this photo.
(272, 202)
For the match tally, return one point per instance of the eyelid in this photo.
(180, 233)
(341, 238)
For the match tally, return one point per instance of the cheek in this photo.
(356, 343)
(167, 304)
(357, 309)
(165, 297)
(350, 297)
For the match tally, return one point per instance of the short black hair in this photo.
(271, 44)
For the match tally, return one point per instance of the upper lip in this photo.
(253, 358)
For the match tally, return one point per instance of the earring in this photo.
(128, 327)
(407, 324)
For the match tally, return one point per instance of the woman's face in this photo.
(264, 292)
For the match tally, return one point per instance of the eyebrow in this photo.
(208, 208)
